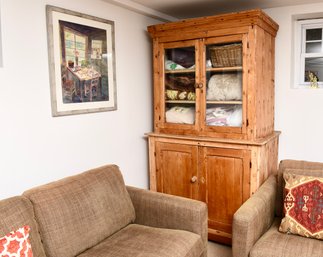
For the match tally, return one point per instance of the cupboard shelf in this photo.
(180, 102)
(224, 69)
(180, 71)
(224, 102)
(207, 102)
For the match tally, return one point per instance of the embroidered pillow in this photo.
(16, 243)
(303, 206)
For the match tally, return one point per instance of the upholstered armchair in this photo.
(256, 223)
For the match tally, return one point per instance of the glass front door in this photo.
(179, 84)
(223, 85)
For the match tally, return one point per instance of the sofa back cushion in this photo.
(17, 212)
(295, 167)
(78, 212)
(303, 206)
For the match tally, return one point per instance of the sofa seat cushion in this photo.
(274, 243)
(78, 212)
(16, 212)
(142, 241)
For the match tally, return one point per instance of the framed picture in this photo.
(1, 63)
(81, 62)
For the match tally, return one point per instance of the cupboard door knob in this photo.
(193, 179)
(199, 85)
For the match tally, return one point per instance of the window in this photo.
(75, 47)
(309, 53)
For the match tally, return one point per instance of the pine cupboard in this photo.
(214, 137)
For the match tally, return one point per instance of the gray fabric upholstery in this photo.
(253, 218)
(16, 212)
(276, 244)
(80, 211)
(168, 211)
(94, 214)
(251, 233)
(143, 241)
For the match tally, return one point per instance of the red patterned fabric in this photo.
(303, 206)
(16, 244)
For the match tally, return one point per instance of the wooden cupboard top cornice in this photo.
(238, 22)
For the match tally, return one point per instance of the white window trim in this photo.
(299, 50)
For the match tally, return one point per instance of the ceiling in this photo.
(182, 9)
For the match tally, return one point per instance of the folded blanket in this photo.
(224, 87)
(178, 114)
(224, 116)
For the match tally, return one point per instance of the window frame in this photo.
(75, 33)
(300, 50)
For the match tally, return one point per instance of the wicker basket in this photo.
(226, 55)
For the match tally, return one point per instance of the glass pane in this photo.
(313, 34)
(224, 85)
(180, 92)
(80, 40)
(81, 54)
(69, 44)
(223, 91)
(224, 55)
(224, 115)
(313, 47)
(179, 58)
(69, 52)
(313, 69)
(69, 35)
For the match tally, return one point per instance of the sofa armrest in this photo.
(254, 218)
(168, 211)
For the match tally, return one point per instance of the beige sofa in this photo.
(94, 214)
(256, 223)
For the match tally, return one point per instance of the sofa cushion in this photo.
(78, 212)
(303, 206)
(296, 167)
(16, 243)
(16, 212)
(142, 241)
(274, 243)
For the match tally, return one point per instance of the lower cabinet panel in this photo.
(219, 174)
(226, 188)
(176, 169)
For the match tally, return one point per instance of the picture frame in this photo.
(81, 54)
(1, 58)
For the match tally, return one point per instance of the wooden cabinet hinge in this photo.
(250, 164)
(247, 122)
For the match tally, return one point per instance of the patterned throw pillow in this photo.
(16, 243)
(303, 206)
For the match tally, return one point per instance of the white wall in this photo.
(35, 147)
(299, 112)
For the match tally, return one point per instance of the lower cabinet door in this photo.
(227, 175)
(218, 176)
(176, 169)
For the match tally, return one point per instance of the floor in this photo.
(218, 250)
